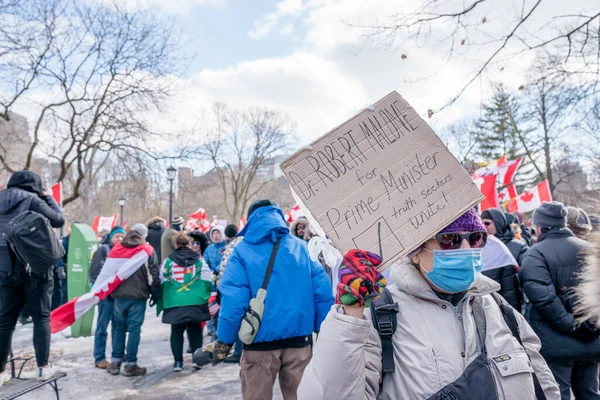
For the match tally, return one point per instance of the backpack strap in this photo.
(511, 320)
(271, 263)
(383, 314)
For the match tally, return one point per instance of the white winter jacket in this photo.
(429, 344)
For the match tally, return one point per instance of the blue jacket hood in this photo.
(266, 223)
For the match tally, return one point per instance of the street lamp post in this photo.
(171, 171)
(122, 204)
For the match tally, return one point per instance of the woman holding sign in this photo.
(439, 332)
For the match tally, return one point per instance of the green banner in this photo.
(82, 244)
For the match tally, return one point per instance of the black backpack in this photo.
(385, 320)
(31, 237)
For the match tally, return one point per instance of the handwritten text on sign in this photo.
(382, 181)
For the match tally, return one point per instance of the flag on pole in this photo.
(243, 222)
(57, 193)
(122, 262)
(488, 187)
(199, 215)
(508, 193)
(531, 199)
(102, 224)
(505, 170)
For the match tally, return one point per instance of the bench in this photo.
(17, 386)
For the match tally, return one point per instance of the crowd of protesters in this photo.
(485, 309)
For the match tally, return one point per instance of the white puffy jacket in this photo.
(429, 344)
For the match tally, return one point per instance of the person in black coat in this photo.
(156, 226)
(18, 287)
(500, 265)
(510, 288)
(496, 224)
(549, 275)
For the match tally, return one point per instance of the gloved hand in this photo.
(214, 352)
(360, 282)
(61, 274)
(587, 332)
(154, 297)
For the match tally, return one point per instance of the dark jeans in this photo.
(581, 378)
(128, 317)
(237, 348)
(57, 292)
(194, 336)
(105, 316)
(36, 293)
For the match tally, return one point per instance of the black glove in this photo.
(214, 353)
(61, 274)
(154, 297)
(587, 332)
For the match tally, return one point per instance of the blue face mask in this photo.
(455, 271)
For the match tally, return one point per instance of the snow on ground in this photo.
(75, 357)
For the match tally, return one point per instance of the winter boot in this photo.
(103, 364)
(114, 368)
(134, 370)
(4, 378)
(45, 373)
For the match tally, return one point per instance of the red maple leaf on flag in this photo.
(502, 196)
(527, 197)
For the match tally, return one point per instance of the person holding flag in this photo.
(130, 301)
(186, 286)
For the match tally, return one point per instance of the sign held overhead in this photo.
(382, 181)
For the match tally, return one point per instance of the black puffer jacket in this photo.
(549, 275)
(156, 227)
(505, 233)
(23, 193)
(509, 284)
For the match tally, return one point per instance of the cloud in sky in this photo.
(170, 6)
(264, 25)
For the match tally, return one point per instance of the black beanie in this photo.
(550, 215)
(231, 230)
(258, 204)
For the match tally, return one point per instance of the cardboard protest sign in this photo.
(382, 181)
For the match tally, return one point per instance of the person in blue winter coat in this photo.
(298, 300)
(214, 252)
(213, 256)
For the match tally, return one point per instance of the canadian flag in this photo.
(122, 262)
(200, 219)
(508, 193)
(243, 222)
(102, 224)
(505, 170)
(488, 187)
(293, 214)
(199, 215)
(57, 193)
(191, 224)
(531, 199)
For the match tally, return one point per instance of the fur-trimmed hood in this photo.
(156, 222)
(308, 233)
(588, 290)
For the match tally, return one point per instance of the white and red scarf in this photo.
(122, 262)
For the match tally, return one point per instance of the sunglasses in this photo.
(453, 240)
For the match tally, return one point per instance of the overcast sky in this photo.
(304, 58)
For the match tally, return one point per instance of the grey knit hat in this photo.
(141, 229)
(550, 215)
